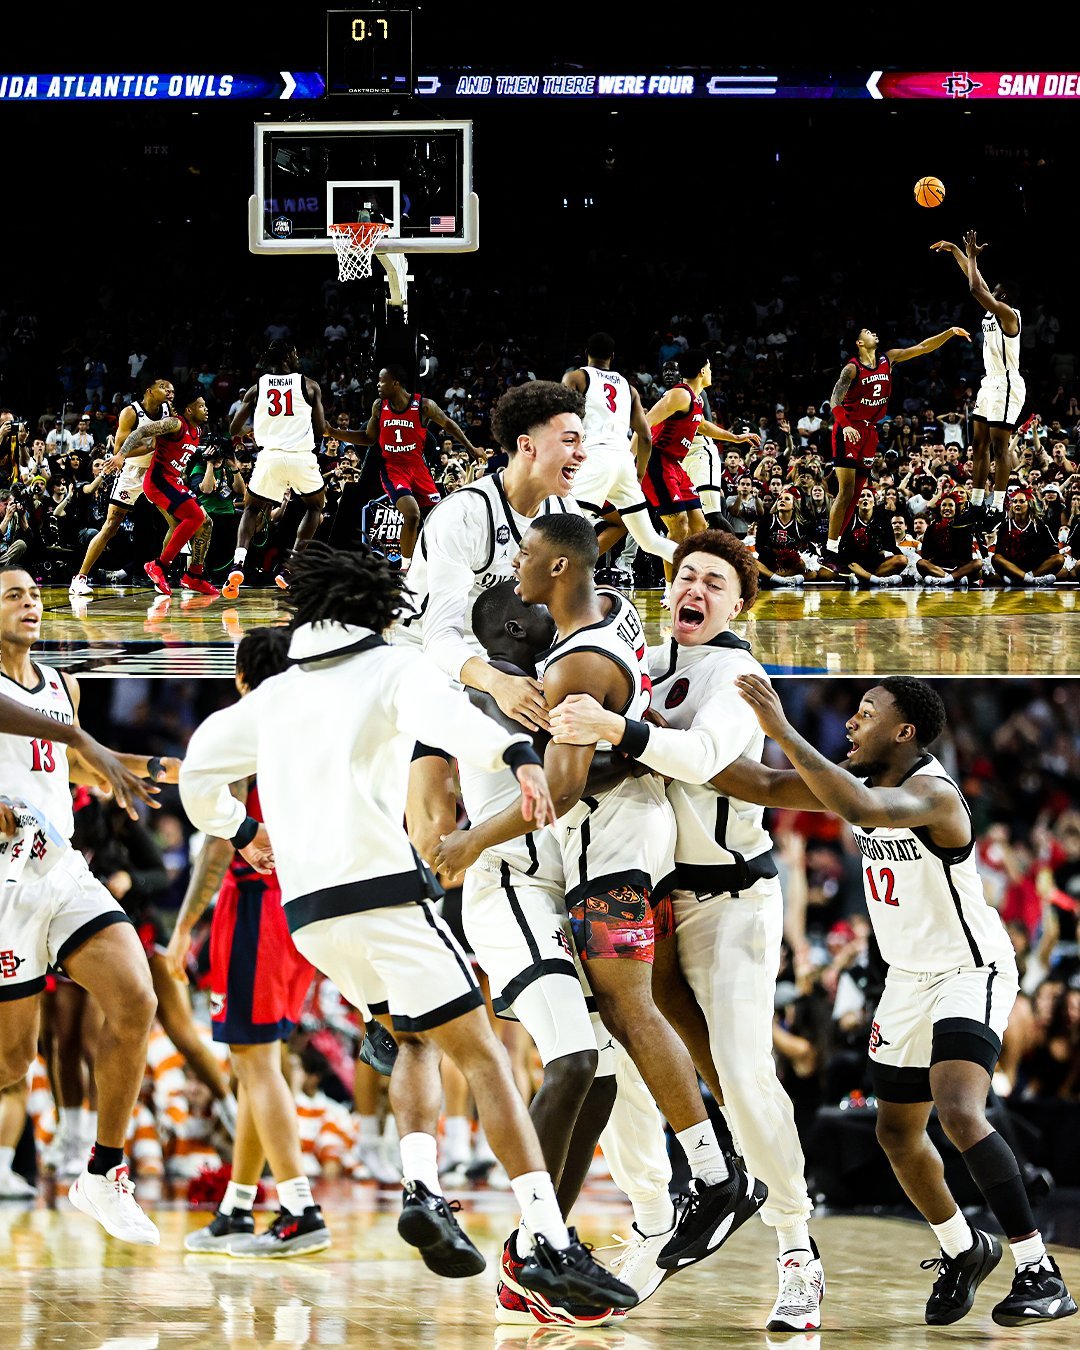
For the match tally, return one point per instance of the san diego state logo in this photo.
(877, 1040)
(676, 693)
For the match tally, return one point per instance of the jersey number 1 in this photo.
(43, 756)
(888, 881)
(273, 397)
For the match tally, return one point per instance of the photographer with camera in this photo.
(14, 526)
(11, 436)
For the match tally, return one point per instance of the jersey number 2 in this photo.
(277, 408)
(887, 880)
(43, 756)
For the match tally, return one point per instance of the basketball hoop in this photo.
(355, 245)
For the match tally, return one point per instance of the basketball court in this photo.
(370, 1288)
(819, 630)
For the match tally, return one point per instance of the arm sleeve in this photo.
(221, 751)
(426, 708)
(719, 734)
(451, 539)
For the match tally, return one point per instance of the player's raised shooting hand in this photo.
(580, 720)
(944, 246)
(259, 853)
(126, 788)
(972, 245)
(456, 851)
(764, 700)
(536, 803)
(961, 332)
(521, 697)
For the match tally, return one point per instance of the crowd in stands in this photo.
(1013, 746)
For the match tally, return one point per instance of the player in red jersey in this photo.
(398, 425)
(258, 981)
(858, 402)
(177, 439)
(675, 420)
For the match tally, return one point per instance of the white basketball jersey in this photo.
(926, 903)
(485, 795)
(607, 409)
(282, 419)
(1001, 354)
(143, 461)
(35, 771)
(477, 524)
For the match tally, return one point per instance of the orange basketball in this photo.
(929, 191)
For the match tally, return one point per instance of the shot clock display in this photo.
(369, 51)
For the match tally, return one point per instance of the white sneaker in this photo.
(373, 1156)
(15, 1187)
(80, 585)
(111, 1201)
(636, 1264)
(225, 1112)
(798, 1303)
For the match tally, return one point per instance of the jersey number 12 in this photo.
(887, 880)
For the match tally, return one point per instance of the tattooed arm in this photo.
(136, 443)
(836, 400)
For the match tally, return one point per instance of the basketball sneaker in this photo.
(15, 1187)
(379, 1049)
(231, 589)
(199, 585)
(220, 1231)
(80, 585)
(288, 1235)
(157, 576)
(516, 1309)
(706, 1216)
(802, 1288)
(569, 1276)
(636, 1264)
(958, 1278)
(283, 579)
(372, 1154)
(110, 1199)
(427, 1222)
(1038, 1294)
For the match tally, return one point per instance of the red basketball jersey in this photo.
(868, 394)
(240, 868)
(173, 453)
(674, 436)
(401, 432)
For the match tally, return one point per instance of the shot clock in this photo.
(369, 51)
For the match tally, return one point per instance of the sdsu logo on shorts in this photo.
(217, 1005)
(502, 534)
(676, 693)
(877, 1040)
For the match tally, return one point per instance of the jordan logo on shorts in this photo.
(9, 964)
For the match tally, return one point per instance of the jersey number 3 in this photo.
(611, 394)
(887, 880)
(43, 756)
(278, 406)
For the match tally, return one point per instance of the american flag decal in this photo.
(442, 224)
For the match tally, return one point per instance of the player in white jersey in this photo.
(613, 413)
(54, 912)
(128, 488)
(728, 911)
(286, 412)
(616, 847)
(1000, 400)
(330, 742)
(951, 984)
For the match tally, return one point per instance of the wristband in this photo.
(635, 738)
(839, 414)
(245, 834)
(520, 753)
(154, 767)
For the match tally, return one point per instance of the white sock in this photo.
(7, 1157)
(703, 1153)
(539, 1209)
(833, 545)
(369, 1129)
(69, 1119)
(419, 1160)
(1029, 1252)
(456, 1137)
(239, 557)
(87, 1125)
(238, 1197)
(481, 1148)
(654, 1216)
(793, 1240)
(999, 500)
(977, 495)
(954, 1235)
(295, 1194)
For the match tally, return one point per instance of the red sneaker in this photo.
(199, 585)
(158, 577)
(514, 1309)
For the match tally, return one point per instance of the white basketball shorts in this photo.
(1001, 401)
(276, 470)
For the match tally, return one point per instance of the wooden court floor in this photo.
(812, 631)
(63, 1282)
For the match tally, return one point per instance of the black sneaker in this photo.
(221, 1229)
(570, 1276)
(958, 1278)
(1038, 1294)
(379, 1049)
(288, 1235)
(706, 1216)
(427, 1222)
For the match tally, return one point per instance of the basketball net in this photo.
(355, 245)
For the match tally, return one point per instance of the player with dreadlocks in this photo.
(330, 741)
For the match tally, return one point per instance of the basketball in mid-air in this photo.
(929, 191)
